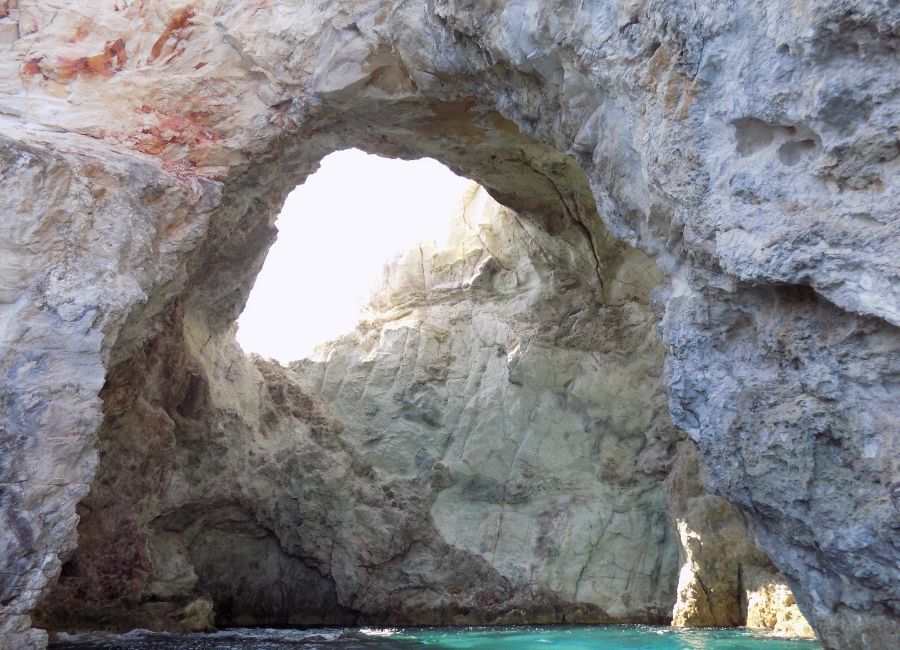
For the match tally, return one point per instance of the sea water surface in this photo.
(617, 637)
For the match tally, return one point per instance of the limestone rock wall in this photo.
(499, 358)
(438, 486)
(748, 147)
(808, 445)
(493, 448)
(226, 495)
(501, 361)
(724, 579)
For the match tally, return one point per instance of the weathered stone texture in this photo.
(725, 580)
(749, 148)
(498, 456)
(533, 386)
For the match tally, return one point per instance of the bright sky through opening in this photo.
(336, 231)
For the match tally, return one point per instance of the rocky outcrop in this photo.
(438, 486)
(725, 581)
(810, 446)
(530, 381)
(492, 449)
(748, 148)
(223, 486)
(444, 492)
(499, 358)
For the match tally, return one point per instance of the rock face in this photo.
(504, 364)
(494, 449)
(498, 456)
(223, 485)
(501, 358)
(749, 149)
(724, 580)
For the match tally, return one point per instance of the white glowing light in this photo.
(336, 231)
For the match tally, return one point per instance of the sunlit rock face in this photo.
(748, 148)
(493, 448)
(223, 487)
(503, 364)
(724, 579)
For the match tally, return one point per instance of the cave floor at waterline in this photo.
(616, 637)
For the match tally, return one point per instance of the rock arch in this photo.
(147, 149)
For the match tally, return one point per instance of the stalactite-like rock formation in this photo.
(749, 149)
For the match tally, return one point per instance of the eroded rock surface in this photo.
(494, 449)
(749, 148)
(499, 359)
(724, 580)
(224, 485)
(502, 363)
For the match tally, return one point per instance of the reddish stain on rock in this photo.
(83, 29)
(179, 20)
(191, 128)
(111, 60)
(182, 170)
(31, 67)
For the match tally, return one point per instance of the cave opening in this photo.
(751, 153)
(358, 207)
(466, 455)
(492, 445)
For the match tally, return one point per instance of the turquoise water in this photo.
(606, 638)
(619, 637)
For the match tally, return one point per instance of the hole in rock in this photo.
(336, 233)
(491, 444)
(793, 151)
